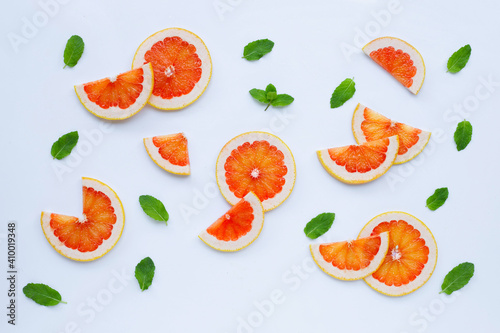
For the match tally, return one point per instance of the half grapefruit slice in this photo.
(181, 64)
(368, 125)
(351, 260)
(118, 97)
(257, 162)
(359, 164)
(400, 59)
(412, 254)
(169, 152)
(238, 227)
(95, 233)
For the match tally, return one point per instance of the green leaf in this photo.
(257, 49)
(64, 145)
(270, 88)
(457, 278)
(319, 225)
(144, 273)
(459, 59)
(73, 51)
(342, 93)
(271, 96)
(259, 95)
(437, 199)
(282, 100)
(42, 294)
(154, 208)
(463, 134)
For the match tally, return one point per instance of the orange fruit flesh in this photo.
(396, 62)
(375, 126)
(173, 148)
(236, 223)
(407, 254)
(176, 66)
(360, 158)
(86, 234)
(258, 167)
(353, 255)
(122, 92)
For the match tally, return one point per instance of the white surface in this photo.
(198, 289)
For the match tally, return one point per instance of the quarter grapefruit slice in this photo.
(359, 164)
(96, 232)
(411, 257)
(181, 64)
(118, 97)
(400, 59)
(257, 162)
(169, 152)
(368, 125)
(238, 227)
(351, 260)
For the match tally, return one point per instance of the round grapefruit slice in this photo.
(118, 97)
(169, 152)
(368, 125)
(238, 227)
(95, 233)
(181, 64)
(257, 162)
(400, 59)
(351, 260)
(412, 254)
(359, 164)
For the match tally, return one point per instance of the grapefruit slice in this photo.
(96, 232)
(181, 64)
(351, 260)
(400, 59)
(238, 227)
(257, 162)
(118, 97)
(412, 254)
(169, 152)
(359, 164)
(368, 125)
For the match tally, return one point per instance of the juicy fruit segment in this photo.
(357, 164)
(256, 162)
(411, 257)
(238, 227)
(182, 67)
(118, 97)
(351, 260)
(93, 235)
(170, 152)
(400, 59)
(369, 125)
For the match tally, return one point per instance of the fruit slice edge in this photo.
(154, 153)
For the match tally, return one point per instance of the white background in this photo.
(199, 289)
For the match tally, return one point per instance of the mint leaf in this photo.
(463, 134)
(342, 93)
(319, 225)
(257, 49)
(73, 51)
(270, 88)
(282, 100)
(64, 145)
(42, 294)
(144, 273)
(271, 97)
(437, 199)
(259, 95)
(154, 208)
(459, 59)
(457, 278)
